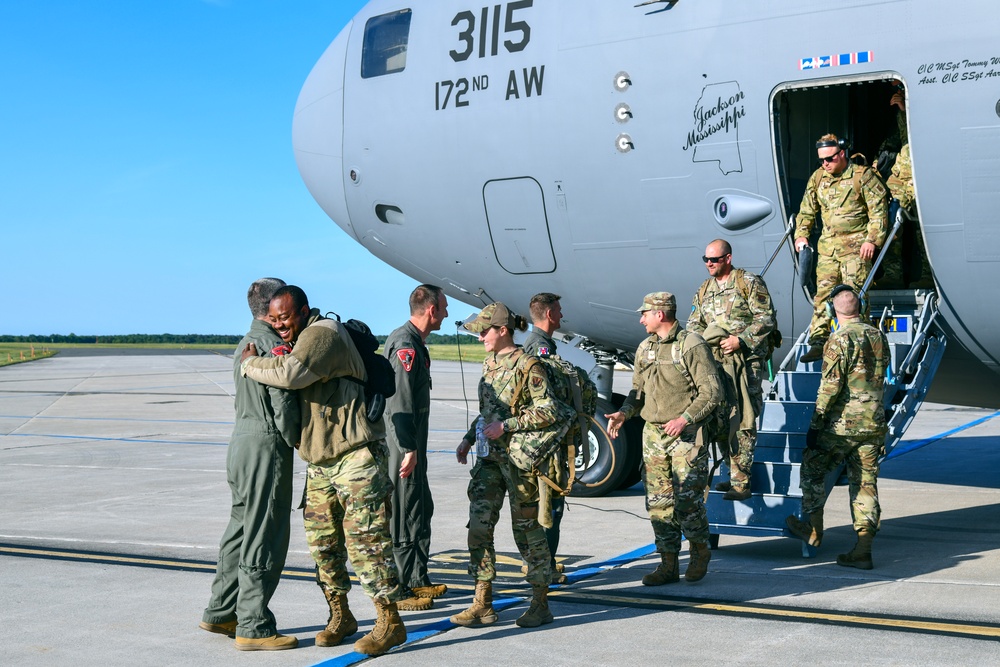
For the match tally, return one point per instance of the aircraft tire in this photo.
(609, 464)
(633, 466)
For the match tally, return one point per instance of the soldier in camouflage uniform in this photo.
(407, 416)
(347, 480)
(901, 189)
(852, 201)
(674, 448)
(848, 425)
(507, 381)
(738, 302)
(546, 316)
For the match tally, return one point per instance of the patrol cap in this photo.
(658, 301)
(494, 315)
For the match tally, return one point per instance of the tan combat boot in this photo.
(272, 643)
(431, 591)
(388, 632)
(861, 555)
(667, 572)
(538, 613)
(698, 559)
(809, 531)
(481, 612)
(342, 622)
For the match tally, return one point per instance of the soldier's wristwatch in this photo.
(506, 429)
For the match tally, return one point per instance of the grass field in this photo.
(15, 353)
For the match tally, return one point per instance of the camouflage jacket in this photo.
(502, 374)
(901, 181)
(850, 218)
(407, 412)
(749, 317)
(661, 392)
(334, 419)
(850, 400)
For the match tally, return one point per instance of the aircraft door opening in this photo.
(865, 112)
(519, 227)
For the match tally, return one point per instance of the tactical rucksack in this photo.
(534, 451)
(381, 382)
(571, 385)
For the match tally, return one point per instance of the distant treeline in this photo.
(127, 339)
(176, 339)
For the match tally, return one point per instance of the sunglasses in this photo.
(830, 158)
(713, 260)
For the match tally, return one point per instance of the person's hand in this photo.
(493, 430)
(462, 451)
(868, 251)
(675, 426)
(730, 345)
(801, 243)
(407, 465)
(249, 351)
(615, 421)
(812, 439)
(899, 100)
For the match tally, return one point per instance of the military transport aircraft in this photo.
(593, 148)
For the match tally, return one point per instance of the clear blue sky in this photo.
(146, 168)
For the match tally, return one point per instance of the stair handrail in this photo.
(885, 248)
(789, 228)
(905, 368)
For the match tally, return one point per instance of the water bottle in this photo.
(482, 444)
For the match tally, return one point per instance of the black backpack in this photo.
(381, 383)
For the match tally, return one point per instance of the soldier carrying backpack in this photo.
(571, 385)
(732, 310)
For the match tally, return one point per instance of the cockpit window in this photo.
(386, 37)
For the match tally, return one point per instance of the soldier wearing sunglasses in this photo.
(851, 200)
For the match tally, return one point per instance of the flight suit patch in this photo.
(406, 357)
(281, 350)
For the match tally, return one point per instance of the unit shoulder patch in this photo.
(406, 356)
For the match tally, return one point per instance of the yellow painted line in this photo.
(793, 614)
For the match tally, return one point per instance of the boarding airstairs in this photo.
(917, 346)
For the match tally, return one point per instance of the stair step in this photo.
(797, 386)
(761, 510)
(791, 416)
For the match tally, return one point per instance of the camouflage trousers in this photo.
(675, 476)
(741, 460)
(491, 480)
(860, 454)
(830, 272)
(345, 517)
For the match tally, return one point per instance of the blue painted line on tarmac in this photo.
(899, 451)
(499, 604)
(423, 632)
(95, 438)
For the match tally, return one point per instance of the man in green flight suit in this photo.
(407, 415)
(853, 204)
(259, 468)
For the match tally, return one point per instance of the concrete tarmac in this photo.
(113, 498)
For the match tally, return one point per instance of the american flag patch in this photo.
(818, 62)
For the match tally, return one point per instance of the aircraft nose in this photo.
(318, 132)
